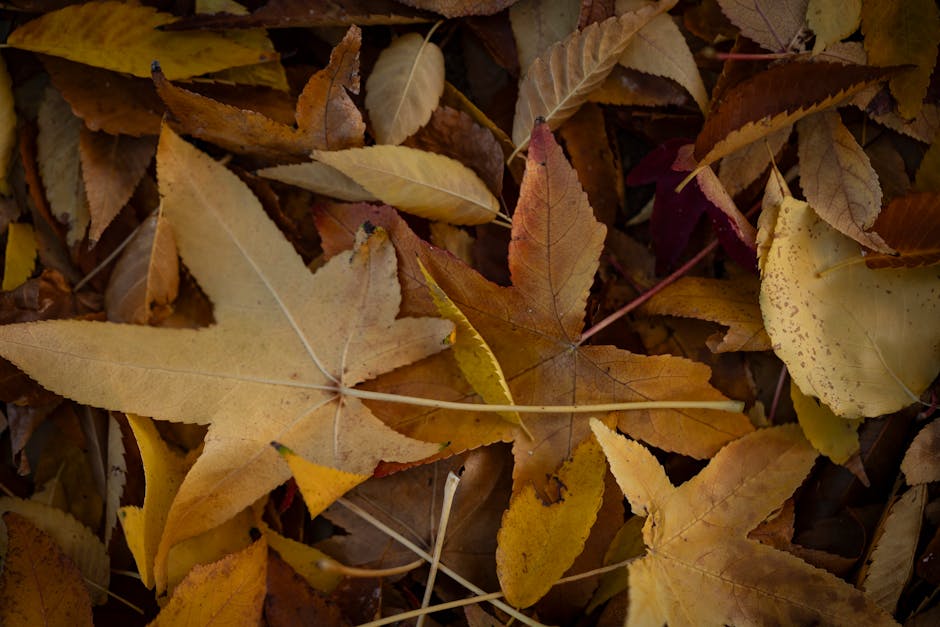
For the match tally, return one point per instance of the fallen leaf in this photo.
(585, 139)
(628, 543)
(833, 436)
(192, 376)
(895, 547)
(536, 26)
(39, 584)
(116, 478)
(125, 37)
(745, 165)
(423, 183)
(319, 178)
(460, 8)
(145, 279)
(291, 601)
(700, 567)
(320, 485)
(777, 25)
(903, 33)
(837, 178)
(404, 88)
(561, 79)
(920, 461)
(200, 600)
(927, 178)
(7, 126)
(832, 20)
(310, 13)
(860, 340)
(303, 558)
(910, 225)
(731, 303)
(19, 258)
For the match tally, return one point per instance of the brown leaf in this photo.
(460, 8)
(921, 462)
(777, 25)
(586, 141)
(309, 13)
(911, 225)
(291, 601)
(595, 11)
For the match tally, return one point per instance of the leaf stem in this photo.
(450, 489)
(332, 566)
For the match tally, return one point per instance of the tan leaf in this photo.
(460, 8)
(404, 88)
(112, 165)
(538, 25)
(745, 165)
(777, 25)
(319, 178)
(700, 567)
(862, 341)
(561, 79)
(145, 279)
(921, 463)
(832, 20)
(125, 37)
(895, 546)
(423, 183)
(838, 180)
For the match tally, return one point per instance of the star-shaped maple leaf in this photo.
(286, 346)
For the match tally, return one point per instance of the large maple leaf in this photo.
(286, 346)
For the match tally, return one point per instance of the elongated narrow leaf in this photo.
(7, 126)
(423, 183)
(560, 80)
(20, 255)
(404, 88)
(318, 178)
(59, 165)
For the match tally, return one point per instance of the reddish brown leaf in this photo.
(585, 137)
(291, 601)
(310, 13)
(595, 11)
(911, 225)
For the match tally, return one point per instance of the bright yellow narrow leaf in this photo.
(230, 537)
(538, 542)
(20, 256)
(659, 48)
(423, 183)
(124, 37)
(833, 436)
(837, 178)
(164, 470)
(75, 539)
(319, 178)
(474, 356)
(862, 341)
(39, 585)
(404, 88)
(892, 560)
(7, 126)
(227, 592)
(832, 20)
(57, 150)
(303, 558)
(700, 567)
(319, 485)
(627, 544)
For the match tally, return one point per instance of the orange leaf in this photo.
(911, 225)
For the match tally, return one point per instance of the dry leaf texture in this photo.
(774, 24)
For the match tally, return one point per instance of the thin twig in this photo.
(450, 488)
(778, 393)
(332, 566)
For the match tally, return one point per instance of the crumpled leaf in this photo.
(832, 20)
(125, 37)
(831, 435)
(404, 88)
(561, 79)
(700, 568)
(903, 33)
(777, 25)
(659, 48)
(921, 463)
(19, 258)
(862, 341)
(911, 226)
(39, 585)
(423, 183)
(838, 180)
(200, 600)
(272, 368)
(7, 126)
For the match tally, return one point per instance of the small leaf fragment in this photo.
(833, 436)
(832, 20)
(921, 463)
(319, 485)
(910, 224)
(20, 255)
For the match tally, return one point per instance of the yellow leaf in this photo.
(39, 585)
(303, 558)
(423, 183)
(831, 435)
(125, 37)
(230, 537)
(7, 126)
(838, 180)
(404, 88)
(560, 80)
(832, 20)
(20, 257)
(319, 485)
(320, 179)
(700, 567)
(538, 542)
(862, 341)
(227, 592)
(628, 543)
(164, 470)
(474, 356)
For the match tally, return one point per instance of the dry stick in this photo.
(332, 566)
(369, 518)
(450, 488)
(778, 392)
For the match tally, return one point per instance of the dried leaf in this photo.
(319, 178)
(423, 183)
(404, 88)
(777, 25)
(892, 559)
(860, 340)
(832, 20)
(744, 166)
(626, 87)
(319, 485)
(538, 25)
(910, 225)
(756, 107)
(731, 303)
(145, 279)
(921, 462)
(700, 567)
(291, 601)
(599, 170)
(526, 570)
(838, 180)
(903, 33)
(303, 558)
(561, 79)
(927, 178)
(200, 600)
(125, 37)
(19, 258)
(39, 584)
(659, 48)
(310, 13)
(112, 166)
(116, 477)
(7, 126)
(831, 435)
(460, 8)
